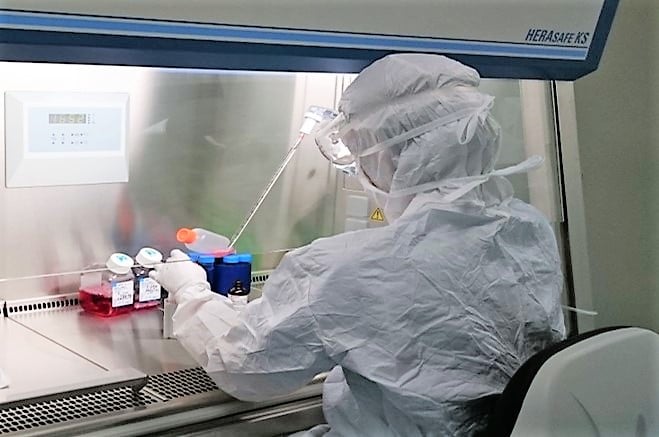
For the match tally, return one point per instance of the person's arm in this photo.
(271, 348)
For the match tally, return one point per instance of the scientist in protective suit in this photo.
(421, 321)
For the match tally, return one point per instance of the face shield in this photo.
(331, 146)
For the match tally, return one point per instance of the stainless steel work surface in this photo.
(65, 347)
(33, 363)
(128, 341)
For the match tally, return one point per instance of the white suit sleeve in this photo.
(271, 348)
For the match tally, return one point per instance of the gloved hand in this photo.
(178, 274)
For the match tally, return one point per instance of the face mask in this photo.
(392, 206)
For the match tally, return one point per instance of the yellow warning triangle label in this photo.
(378, 215)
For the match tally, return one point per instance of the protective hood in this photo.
(415, 92)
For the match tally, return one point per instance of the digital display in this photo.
(67, 118)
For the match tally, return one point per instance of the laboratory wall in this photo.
(618, 131)
(201, 146)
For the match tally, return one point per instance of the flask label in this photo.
(149, 290)
(122, 294)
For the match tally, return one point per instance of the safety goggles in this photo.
(331, 146)
(328, 140)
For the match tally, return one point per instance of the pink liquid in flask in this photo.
(109, 293)
(98, 301)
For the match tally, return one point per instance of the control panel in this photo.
(58, 138)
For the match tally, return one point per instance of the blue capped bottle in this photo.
(227, 272)
(207, 262)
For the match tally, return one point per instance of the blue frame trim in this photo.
(169, 29)
(31, 37)
(602, 31)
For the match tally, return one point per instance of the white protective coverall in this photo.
(417, 321)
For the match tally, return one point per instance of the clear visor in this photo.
(330, 145)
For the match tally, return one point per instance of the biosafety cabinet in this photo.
(124, 121)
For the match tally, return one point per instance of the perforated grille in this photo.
(182, 383)
(163, 387)
(260, 277)
(26, 417)
(41, 304)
